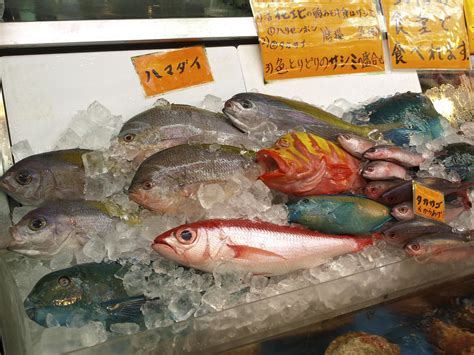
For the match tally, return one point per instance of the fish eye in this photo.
(305, 200)
(37, 223)
(23, 178)
(415, 247)
(403, 210)
(147, 185)
(186, 236)
(129, 137)
(64, 281)
(391, 235)
(246, 104)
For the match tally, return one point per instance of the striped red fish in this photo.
(258, 247)
(304, 164)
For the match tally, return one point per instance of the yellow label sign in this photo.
(428, 203)
(167, 71)
(319, 37)
(427, 34)
(469, 13)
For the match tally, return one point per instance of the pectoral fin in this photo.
(251, 253)
(127, 310)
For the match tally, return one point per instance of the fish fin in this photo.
(250, 253)
(126, 310)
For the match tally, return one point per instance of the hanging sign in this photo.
(166, 71)
(310, 38)
(427, 34)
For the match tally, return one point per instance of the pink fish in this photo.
(258, 247)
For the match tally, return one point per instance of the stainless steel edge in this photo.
(61, 33)
(5, 163)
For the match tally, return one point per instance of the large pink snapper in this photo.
(258, 247)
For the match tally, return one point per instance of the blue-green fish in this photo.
(339, 214)
(87, 292)
(415, 111)
(458, 157)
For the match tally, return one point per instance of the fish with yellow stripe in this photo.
(303, 164)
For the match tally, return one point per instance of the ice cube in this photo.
(124, 328)
(212, 103)
(183, 305)
(94, 163)
(134, 280)
(21, 150)
(62, 260)
(161, 102)
(95, 249)
(51, 322)
(155, 314)
(68, 140)
(210, 194)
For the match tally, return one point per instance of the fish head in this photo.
(59, 293)
(297, 210)
(27, 181)
(249, 112)
(41, 232)
(418, 247)
(139, 130)
(403, 212)
(186, 245)
(374, 189)
(354, 143)
(375, 153)
(153, 191)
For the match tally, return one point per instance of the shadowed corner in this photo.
(29, 308)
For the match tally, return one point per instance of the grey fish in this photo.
(253, 112)
(44, 231)
(354, 144)
(438, 242)
(375, 189)
(404, 211)
(384, 170)
(394, 154)
(166, 126)
(51, 176)
(168, 177)
(87, 292)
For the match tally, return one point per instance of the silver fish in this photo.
(384, 170)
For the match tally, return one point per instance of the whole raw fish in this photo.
(458, 157)
(404, 211)
(414, 111)
(384, 170)
(400, 233)
(253, 112)
(438, 243)
(257, 247)
(166, 179)
(87, 292)
(404, 192)
(46, 230)
(394, 154)
(303, 164)
(339, 214)
(375, 189)
(51, 176)
(354, 144)
(170, 125)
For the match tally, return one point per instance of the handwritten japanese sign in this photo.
(167, 71)
(428, 203)
(469, 13)
(318, 37)
(429, 34)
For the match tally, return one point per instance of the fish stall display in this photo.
(187, 212)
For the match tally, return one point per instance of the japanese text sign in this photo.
(469, 13)
(319, 37)
(429, 34)
(428, 203)
(167, 71)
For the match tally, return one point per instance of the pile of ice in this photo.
(177, 293)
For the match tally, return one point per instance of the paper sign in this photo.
(427, 34)
(167, 71)
(428, 203)
(469, 13)
(319, 37)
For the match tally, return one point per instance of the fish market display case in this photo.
(45, 93)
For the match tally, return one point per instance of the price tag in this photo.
(427, 34)
(428, 203)
(310, 38)
(177, 69)
(469, 13)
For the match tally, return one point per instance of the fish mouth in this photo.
(272, 163)
(160, 243)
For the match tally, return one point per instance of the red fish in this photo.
(257, 247)
(304, 164)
